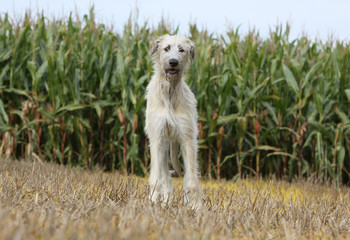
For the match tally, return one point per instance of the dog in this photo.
(171, 119)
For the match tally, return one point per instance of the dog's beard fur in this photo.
(173, 78)
(176, 77)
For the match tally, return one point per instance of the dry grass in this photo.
(45, 201)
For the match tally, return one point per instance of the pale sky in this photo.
(316, 18)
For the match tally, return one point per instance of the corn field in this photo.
(72, 92)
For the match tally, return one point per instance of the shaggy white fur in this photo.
(171, 119)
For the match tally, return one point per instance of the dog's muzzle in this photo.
(173, 69)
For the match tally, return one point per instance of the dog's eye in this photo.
(167, 49)
(181, 50)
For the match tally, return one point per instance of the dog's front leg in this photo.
(166, 181)
(158, 176)
(155, 173)
(191, 180)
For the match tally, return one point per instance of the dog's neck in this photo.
(173, 81)
(169, 89)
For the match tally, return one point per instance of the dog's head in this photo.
(171, 55)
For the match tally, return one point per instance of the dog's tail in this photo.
(174, 147)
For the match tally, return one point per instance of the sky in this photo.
(317, 19)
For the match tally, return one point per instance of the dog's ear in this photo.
(155, 46)
(192, 52)
(192, 48)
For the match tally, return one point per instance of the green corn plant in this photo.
(266, 106)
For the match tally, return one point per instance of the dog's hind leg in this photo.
(174, 147)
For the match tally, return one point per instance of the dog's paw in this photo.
(193, 198)
(155, 193)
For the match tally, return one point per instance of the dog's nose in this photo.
(173, 62)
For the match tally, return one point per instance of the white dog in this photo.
(171, 119)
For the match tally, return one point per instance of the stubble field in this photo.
(47, 201)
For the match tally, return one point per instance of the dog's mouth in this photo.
(172, 71)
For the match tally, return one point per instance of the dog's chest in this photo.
(169, 116)
(172, 123)
(170, 130)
